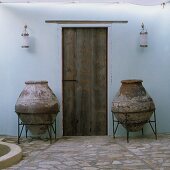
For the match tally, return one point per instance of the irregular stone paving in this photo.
(95, 153)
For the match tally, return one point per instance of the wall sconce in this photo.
(143, 37)
(163, 4)
(25, 35)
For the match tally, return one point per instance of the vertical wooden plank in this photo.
(83, 53)
(99, 116)
(69, 74)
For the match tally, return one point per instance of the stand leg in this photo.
(113, 125)
(55, 130)
(153, 129)
(49, 132)
(155, 125)
(126, 124)
(142, 132)
(115, 129)
(127, 136)
(26, 132)
(18, 130)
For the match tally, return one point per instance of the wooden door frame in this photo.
(109, 65)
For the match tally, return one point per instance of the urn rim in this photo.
(131, 81)
(36, 82)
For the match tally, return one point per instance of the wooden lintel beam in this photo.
(83, 22)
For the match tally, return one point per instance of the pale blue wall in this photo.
(41, 61)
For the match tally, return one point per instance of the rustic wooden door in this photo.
(84, 81)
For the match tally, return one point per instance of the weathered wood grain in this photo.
(85, 81)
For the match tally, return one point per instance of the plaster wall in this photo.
(43, 62)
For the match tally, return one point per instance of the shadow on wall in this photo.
(32, 47)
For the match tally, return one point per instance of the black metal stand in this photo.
(51, 127)
(151, 122)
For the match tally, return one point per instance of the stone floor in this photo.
(93, 153)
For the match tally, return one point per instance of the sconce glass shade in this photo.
(25, 38)
(143, 39)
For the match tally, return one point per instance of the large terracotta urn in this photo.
(132, 105)
(37, 104)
